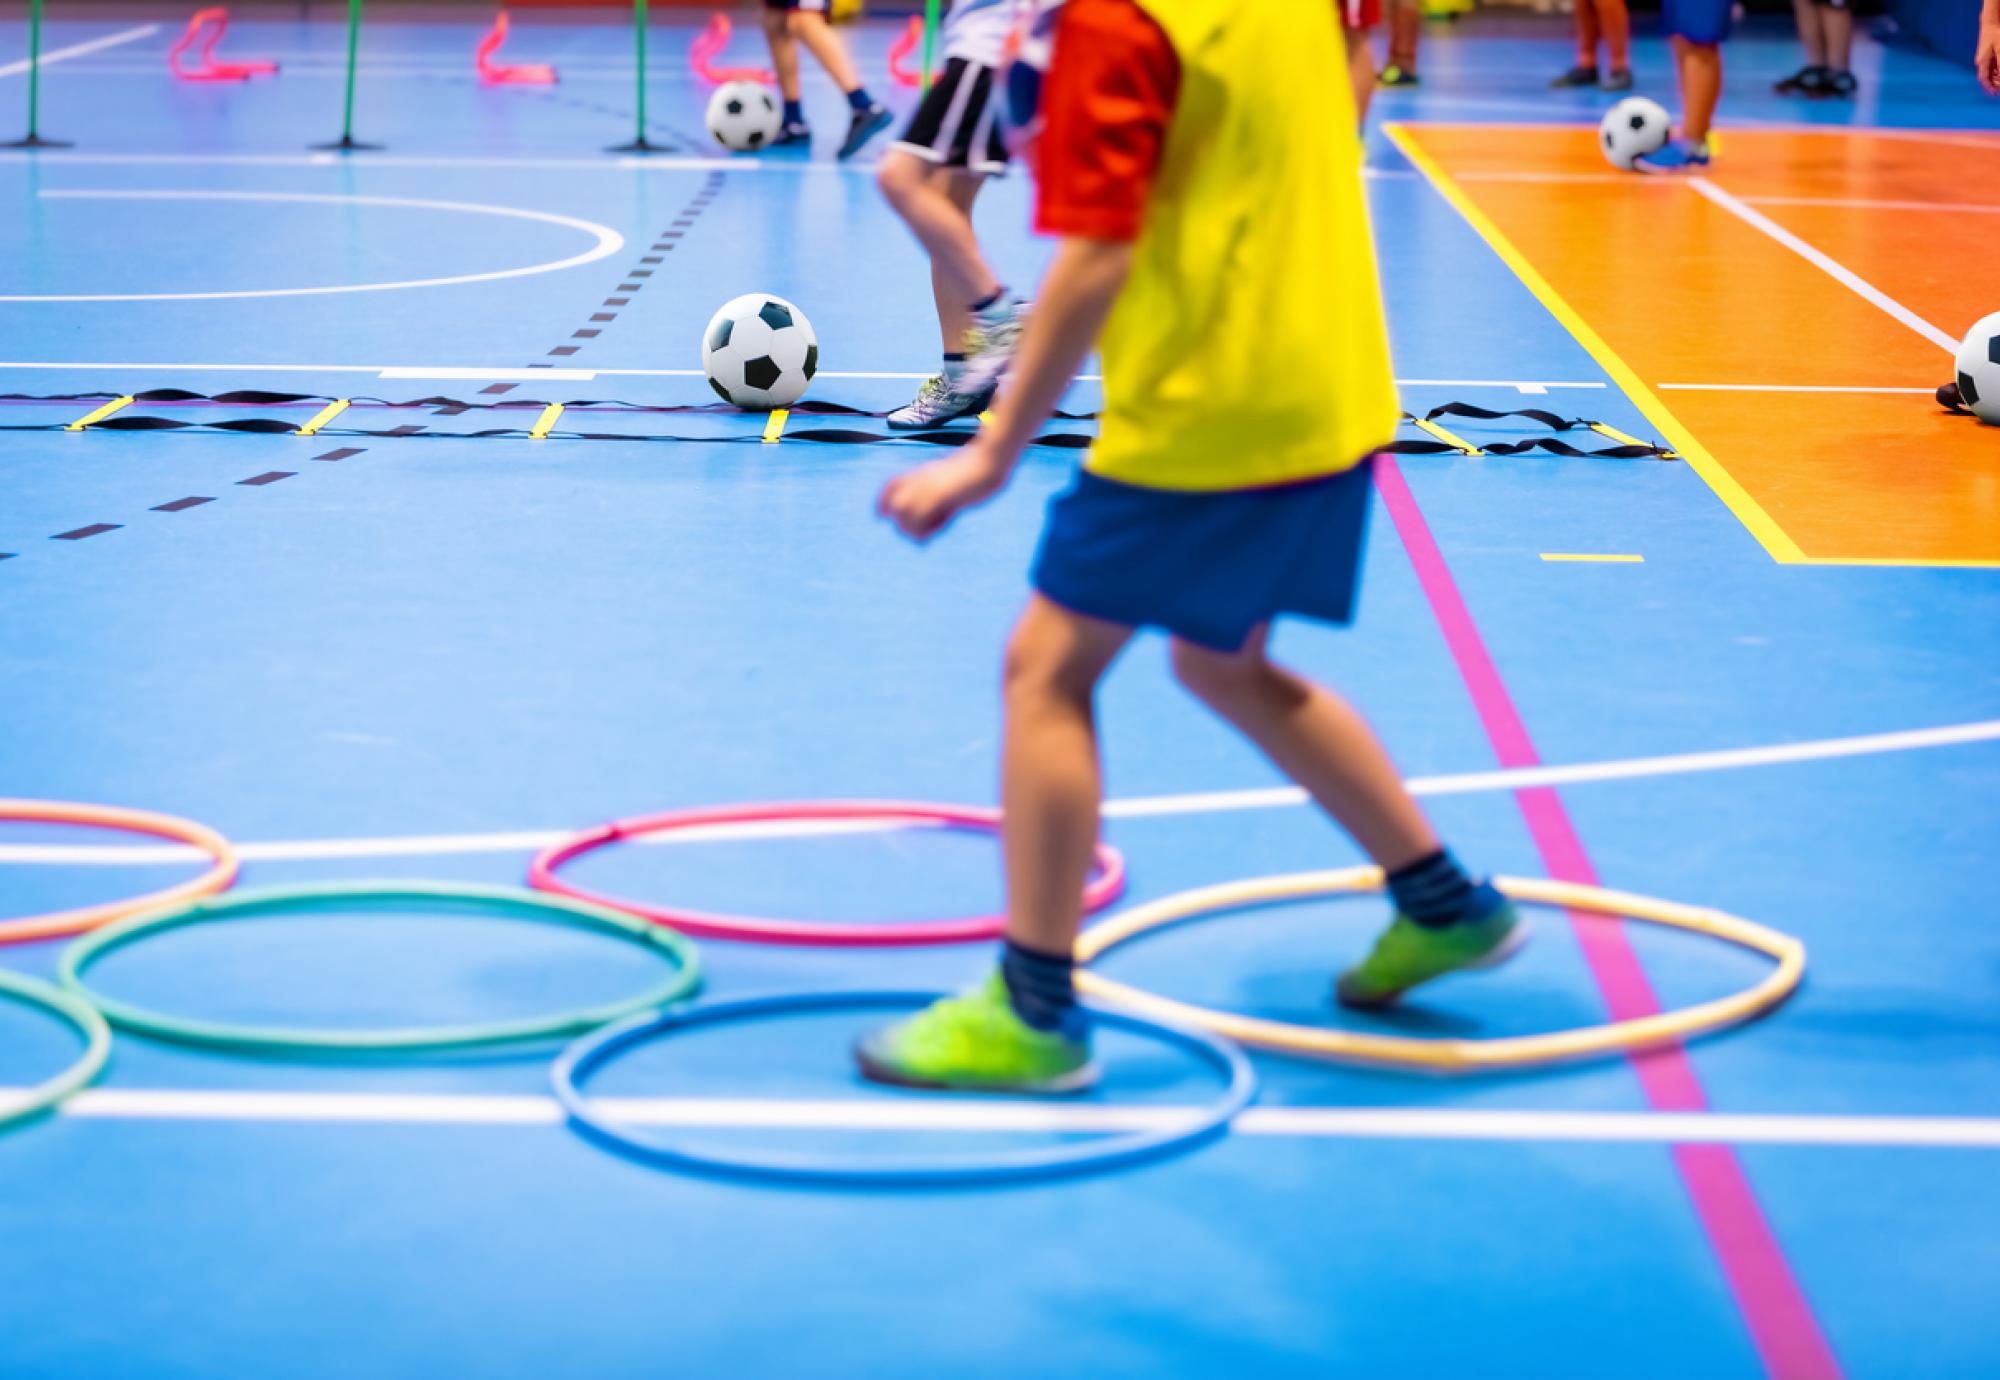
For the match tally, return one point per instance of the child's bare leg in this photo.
(784, 52)
(1837, 26)
(1318, 740)
(810, 28)
(1701, 86)
(1049, 782)
(1361, 71)
(1406, 27)
(936, 203)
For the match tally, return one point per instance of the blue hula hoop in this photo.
(590, 1053)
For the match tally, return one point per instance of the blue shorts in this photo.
(1699, 21)
(1208, 567)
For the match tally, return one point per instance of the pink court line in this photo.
(1781, 1322)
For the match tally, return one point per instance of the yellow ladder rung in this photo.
(545, 421)
(92, 418)
(322, 417)
(774, 426)
(1458, 442)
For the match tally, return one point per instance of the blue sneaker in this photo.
(1676, 155)
(866, 125)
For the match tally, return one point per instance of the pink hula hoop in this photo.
(1104, 887)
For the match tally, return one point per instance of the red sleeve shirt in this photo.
(1107, 100)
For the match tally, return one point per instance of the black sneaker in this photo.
(1617, 80)
(1395, 74)
(1576, 76)
(1807, 81)
(1840, 86)
(794, 135)
(866, 125)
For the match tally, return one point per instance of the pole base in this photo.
(346, 143)
(36, 141)
(640, 145)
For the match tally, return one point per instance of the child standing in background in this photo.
(931, 177)
(1698, 29)
(1612, 22)
(787, 24)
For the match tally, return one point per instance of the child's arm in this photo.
(1986, 58)
(1082, 283)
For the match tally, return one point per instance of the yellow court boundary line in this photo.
(774, 425)
(1749, 512)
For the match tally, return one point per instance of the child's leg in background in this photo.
(1615, 21)
(1406, 27)
(1837, 33)
(936, 203)
(1588, 31)
(1701, 86)
(1360, 70)
(810, 28)
(784, 57)
(1050, 785)
(1811, 36)
(1315, 738)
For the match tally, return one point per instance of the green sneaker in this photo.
(1408, 955)
(974, 1042)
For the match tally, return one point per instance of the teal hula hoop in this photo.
(32, 1102)
(343, 896)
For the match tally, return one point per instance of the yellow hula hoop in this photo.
(1449, 1056)
(222, 864)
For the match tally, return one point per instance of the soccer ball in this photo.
(743, 116)
(1979, 370)
(759, 352)
(1632, 127)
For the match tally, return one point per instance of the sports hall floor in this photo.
(424, 655)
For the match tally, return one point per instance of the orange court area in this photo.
(1783, 319)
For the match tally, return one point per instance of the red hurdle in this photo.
(207, 28)
(493, 73)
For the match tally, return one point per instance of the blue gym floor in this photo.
(429, 647)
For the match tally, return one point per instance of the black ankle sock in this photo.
(1040, 987)
(795, 112)
(1435, 892)
(858, 99)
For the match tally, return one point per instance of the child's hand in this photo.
(1987, 58)
(925, 500)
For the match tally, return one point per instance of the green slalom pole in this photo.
(639, 142)
(346, 140)
(930, 38)
(35, 139)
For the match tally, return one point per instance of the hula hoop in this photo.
(342, 895)
(221, 870)
(1450, 1056)
(1103, 889)
(584, 1057)
(32, 1102)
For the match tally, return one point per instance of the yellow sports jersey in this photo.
(1248, 347)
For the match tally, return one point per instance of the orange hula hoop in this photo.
(221, 871)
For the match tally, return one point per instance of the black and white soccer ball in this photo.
(1979, 370)
(743, 116)
(759, 352)
(1632, 127)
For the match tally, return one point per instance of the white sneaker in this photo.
(990, 346)
(941, 399)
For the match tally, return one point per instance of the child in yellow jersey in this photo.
(1204, 179)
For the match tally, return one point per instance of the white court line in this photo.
(1840, 203)
(1319, 1123)
(1787, 388)
(1137, 807)
(473, 373)
(15, 69)
(609, 242)
(1832, 267)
